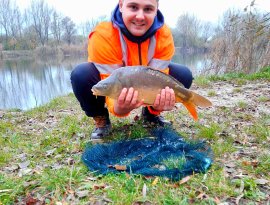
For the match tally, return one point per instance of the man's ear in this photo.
(120, 5)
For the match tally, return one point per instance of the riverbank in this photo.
(41, 156)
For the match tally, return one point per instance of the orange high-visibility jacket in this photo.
(109, 49)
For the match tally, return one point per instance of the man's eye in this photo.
(133, 7)
(148, 10)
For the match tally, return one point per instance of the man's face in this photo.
(138, 15)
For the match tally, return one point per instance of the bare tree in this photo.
(207, 30)
(31, 37)
(89, 25)
(187, 32)
(40, 17)
(16, 23)
(5, 16)
(68, 29)
(56, 26)
(242, 41)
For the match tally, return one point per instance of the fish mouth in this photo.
(94, 91)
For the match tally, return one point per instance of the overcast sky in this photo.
(207, 10)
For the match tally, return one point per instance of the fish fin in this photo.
(191, 107)
(200, 100)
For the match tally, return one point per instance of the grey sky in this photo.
(207, 10)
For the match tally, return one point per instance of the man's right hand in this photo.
(127, 101)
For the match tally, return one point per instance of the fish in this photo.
(148, 82)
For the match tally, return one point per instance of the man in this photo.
(136, 35)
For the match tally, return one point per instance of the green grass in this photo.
(250, 188)
(210, 132)
(6, 128)
(263, 98)
(239, 78)
(202, 81)
(212, 93)
(263, 166)
(237, 90)
(59, 132)
(259, 131)
(242, 104)
(4, 156)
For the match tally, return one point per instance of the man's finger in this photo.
(122, 96)
(162, 98)
(135, 98)
(167, 97)
(129, 95)
(172, 98)
(156, 103)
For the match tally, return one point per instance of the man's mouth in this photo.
(138, 24)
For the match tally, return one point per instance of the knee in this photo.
(79, 72)
(85, 73)
(188, 74)
(182, 73)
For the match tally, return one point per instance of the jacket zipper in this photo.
(140, 55)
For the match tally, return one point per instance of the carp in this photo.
(148, 82)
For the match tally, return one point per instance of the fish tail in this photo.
(200, 100)
(191, 107)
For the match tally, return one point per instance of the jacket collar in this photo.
(118, 20)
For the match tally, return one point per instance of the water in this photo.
(28, 83)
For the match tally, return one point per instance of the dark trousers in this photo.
(85, 75)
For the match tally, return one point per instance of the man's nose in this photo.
(140, 14)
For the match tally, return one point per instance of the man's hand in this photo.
(165, 101)
(127, 101)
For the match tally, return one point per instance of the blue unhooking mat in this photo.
(164, 154)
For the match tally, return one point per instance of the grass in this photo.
(51, 139)
(241, 78)
(263, 98)
(209, 132)
(259, 131)
(242, 104)
(211, 93)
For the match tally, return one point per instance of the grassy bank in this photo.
(40, 155)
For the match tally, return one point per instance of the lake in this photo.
(28, 83)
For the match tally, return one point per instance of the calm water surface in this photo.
(25, 84)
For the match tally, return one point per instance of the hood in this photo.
(118, 20)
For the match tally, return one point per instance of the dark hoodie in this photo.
(118, 20)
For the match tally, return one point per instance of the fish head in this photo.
(110, 87)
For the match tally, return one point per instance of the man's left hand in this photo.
(165, 101)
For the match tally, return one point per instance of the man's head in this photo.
(138, 15)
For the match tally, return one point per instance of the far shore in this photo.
(44, 51)
(65, 51)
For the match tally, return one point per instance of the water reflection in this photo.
(196, 63)
(25, 84)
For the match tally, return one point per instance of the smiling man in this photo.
(138, 17)
(136, 35)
